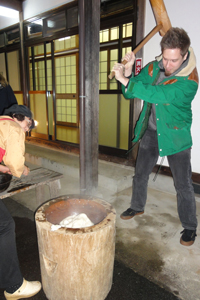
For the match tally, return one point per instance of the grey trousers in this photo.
(180, 166)
(10, 273)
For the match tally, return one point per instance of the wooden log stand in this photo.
(76, 263)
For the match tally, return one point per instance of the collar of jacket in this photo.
(190, 66)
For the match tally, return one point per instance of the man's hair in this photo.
(176, 38)
(19, 117)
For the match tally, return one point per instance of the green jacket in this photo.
(172, 98)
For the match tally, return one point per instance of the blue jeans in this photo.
(180, 166)
(10, 273)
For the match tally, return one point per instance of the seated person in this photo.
(16, 120)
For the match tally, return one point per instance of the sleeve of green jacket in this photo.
(141, 87)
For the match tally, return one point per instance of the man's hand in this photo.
(130, 58)
(119, 73)
(4, 169)
(26, 171)
(122, 71)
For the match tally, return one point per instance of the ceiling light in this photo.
(8, 12)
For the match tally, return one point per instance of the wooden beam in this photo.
(89, 93)
(136, 103)
(14, 4)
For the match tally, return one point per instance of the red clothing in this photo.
(12, 139)
(2, 153)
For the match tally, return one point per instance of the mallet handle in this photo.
(141, 44)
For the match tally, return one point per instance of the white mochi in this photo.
(75, 221)
(55, 227)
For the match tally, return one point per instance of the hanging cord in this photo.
(132, 147)
(156, 175)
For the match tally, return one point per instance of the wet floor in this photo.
(127, 285)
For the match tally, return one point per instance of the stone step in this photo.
(111, 176)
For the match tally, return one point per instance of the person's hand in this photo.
(130, 58)
(26, 171)
(119, 73)
(4, 169)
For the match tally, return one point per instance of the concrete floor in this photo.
(148, 244)
(126, 283)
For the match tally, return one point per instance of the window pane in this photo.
(100, 37)
(124, 123)
(127, 30)
(114, 33)
(66, 74)
(14, 70)
(114, 55)
(108, 123)
(103, 70)
(108, 120)
(34, 28)
(50, 114)
(113, 84)
(13, 36)
(72, 17)
(65, 112)
(38, 50)
(103, 67)
(105, 35)
(65, 43)
(125, 50)
(40, 76)
(49, 75)
(113, 59)
(55, 23)
(38, 107)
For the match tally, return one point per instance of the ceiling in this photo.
(107, 6)
(110, 7)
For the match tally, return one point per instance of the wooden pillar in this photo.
(89, 26)
(139, 37)
(22, 58)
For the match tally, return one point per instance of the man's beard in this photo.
(167, 73)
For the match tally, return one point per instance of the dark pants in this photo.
(10, 273)
(181, 170)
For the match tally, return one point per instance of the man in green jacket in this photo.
(167, 85)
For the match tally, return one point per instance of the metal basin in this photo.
(75, 205)
(5, 180)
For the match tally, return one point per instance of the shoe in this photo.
(130, 213)
(188, 237)
(26, 290)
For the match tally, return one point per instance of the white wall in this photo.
(32, 8)
(6, 21)
(184, 14)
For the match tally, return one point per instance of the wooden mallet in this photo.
(163, 26)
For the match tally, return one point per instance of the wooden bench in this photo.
(37, 179)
